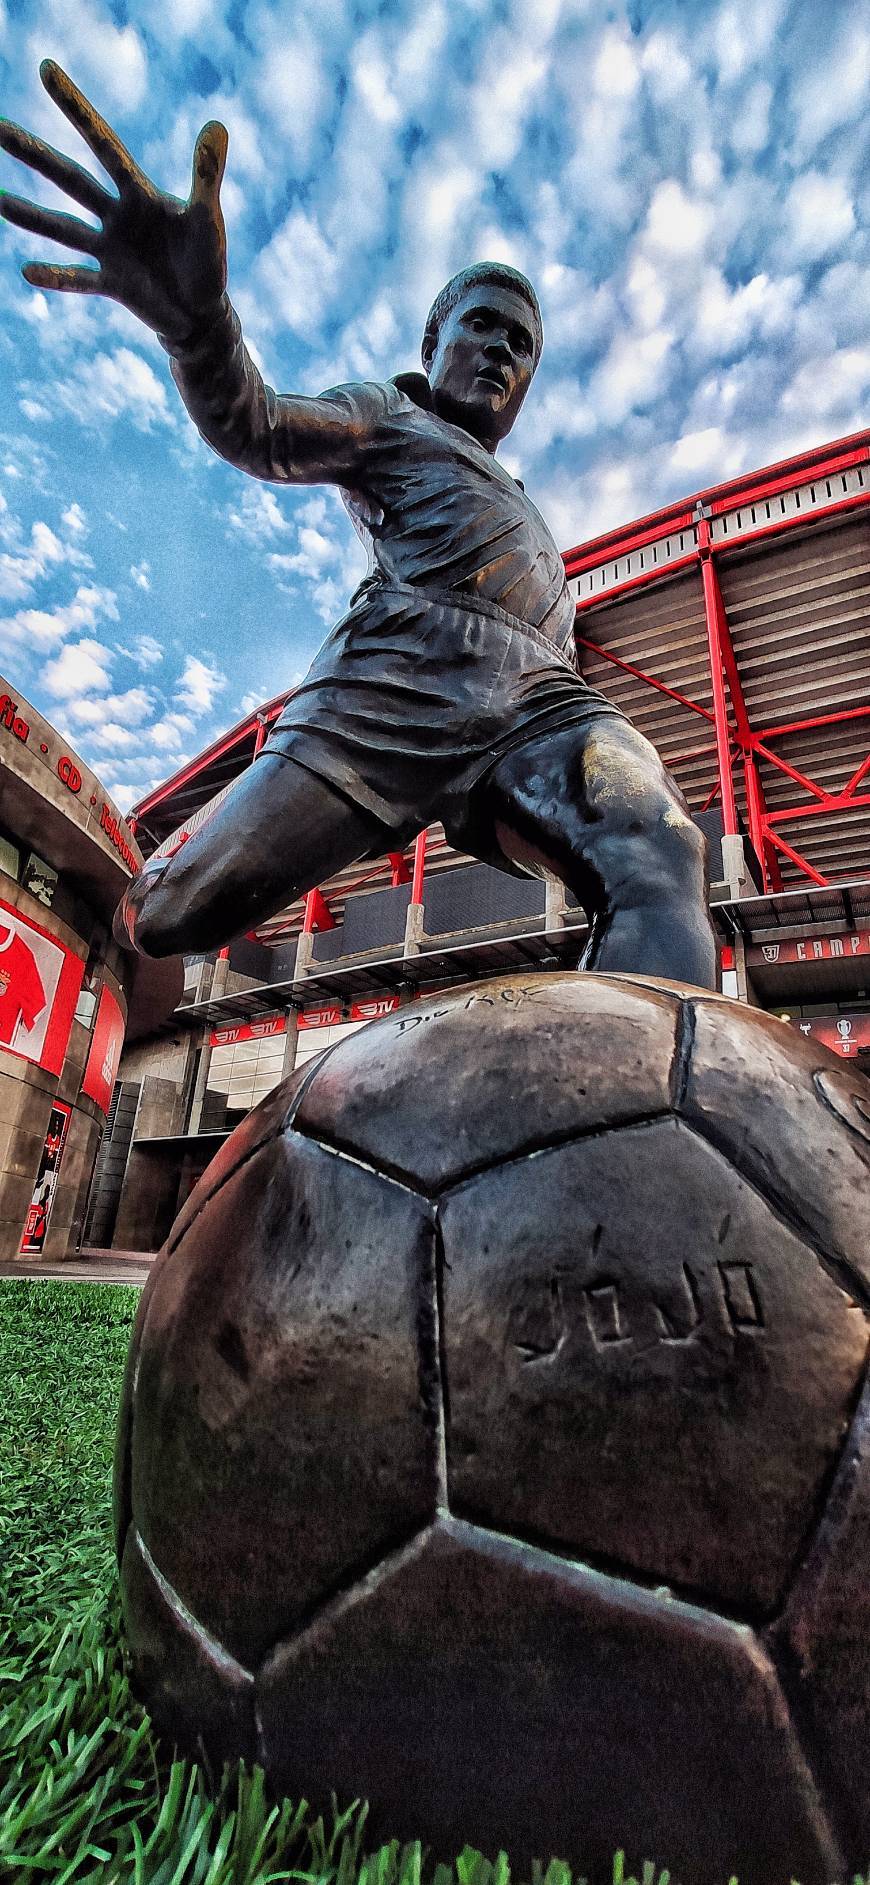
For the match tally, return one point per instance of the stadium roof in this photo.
(734, 630)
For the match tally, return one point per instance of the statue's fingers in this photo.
(75, 281)
(209, 162)
(112, 154)
(62, 171)
(52, 223)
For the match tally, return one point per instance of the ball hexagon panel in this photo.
(825, 1632)
(491, 1693)
(286, 1419)
(196, 1691)
(445, 1086)
(273, 1116)
(794, 1119)
(643, 1363)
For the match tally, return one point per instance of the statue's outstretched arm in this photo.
(165, 260)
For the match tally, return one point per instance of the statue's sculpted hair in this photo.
(483, 273)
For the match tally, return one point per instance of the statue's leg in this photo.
(280, 831)
(593, 805)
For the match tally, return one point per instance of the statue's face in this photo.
(483, 362)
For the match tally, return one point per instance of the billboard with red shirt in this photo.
(105, 1051)
(39, 986)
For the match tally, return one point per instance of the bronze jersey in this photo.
(437, 511)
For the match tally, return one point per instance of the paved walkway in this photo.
(87, 1266)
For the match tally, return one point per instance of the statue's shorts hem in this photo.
(412, 700)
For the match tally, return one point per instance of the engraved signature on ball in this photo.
(545, 1313)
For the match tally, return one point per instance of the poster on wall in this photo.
(45, 1185)
(39, 985)
(105, 1051)
(846, 1034)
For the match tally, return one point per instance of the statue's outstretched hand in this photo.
(163, 259)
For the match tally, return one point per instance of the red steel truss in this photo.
(739, 747)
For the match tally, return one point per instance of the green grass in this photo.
(86, 1793)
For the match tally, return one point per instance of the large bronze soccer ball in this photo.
(495, 1440)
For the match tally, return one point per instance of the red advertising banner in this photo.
(39, 987)
(847, 1034)
(105, 1051)
(812, 949)
(45, 1185)
(374, 1009)
(320, 1018)
(331, 1017)
(248, 1031)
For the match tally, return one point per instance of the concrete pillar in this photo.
(745, 990)
(414, 934)
(554, 904)
(291, 1043)
(200, 1083)
(304, 952)
(734, 863)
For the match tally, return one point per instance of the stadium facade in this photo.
(734, 629)
(66, 854)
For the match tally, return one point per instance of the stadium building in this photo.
(734, 629)
(66, 854)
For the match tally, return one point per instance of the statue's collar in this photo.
(415, 386)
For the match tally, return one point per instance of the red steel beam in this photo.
(713, 616)
(318, 915)
(818, 462)
(842, 802)
(634, 582)
(419, 868)
(801, 862)
(812, 721)
(857, 776)
(650, 679)
(792, 772)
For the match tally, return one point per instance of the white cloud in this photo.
(665, 67)
(124, 795)
(297, 272)
(835, 383)
(258, 516)
(632, 374)
(819, 215)
(750, 127)
(141, 574)
(833, 91)
(111, 737)
(726, 318)
(44, 628)
(328, 560)
(199, 685)
(35, 411)
(75, 520)
(116, 385)
(742, 35)
(291, 84)
(131, 708)
(677, 224)
(81, 667)
(617, 69)
(707, 456)
(146, 652)
(85, 40)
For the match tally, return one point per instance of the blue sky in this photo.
(686, 184)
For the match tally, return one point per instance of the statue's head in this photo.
(481, 345)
